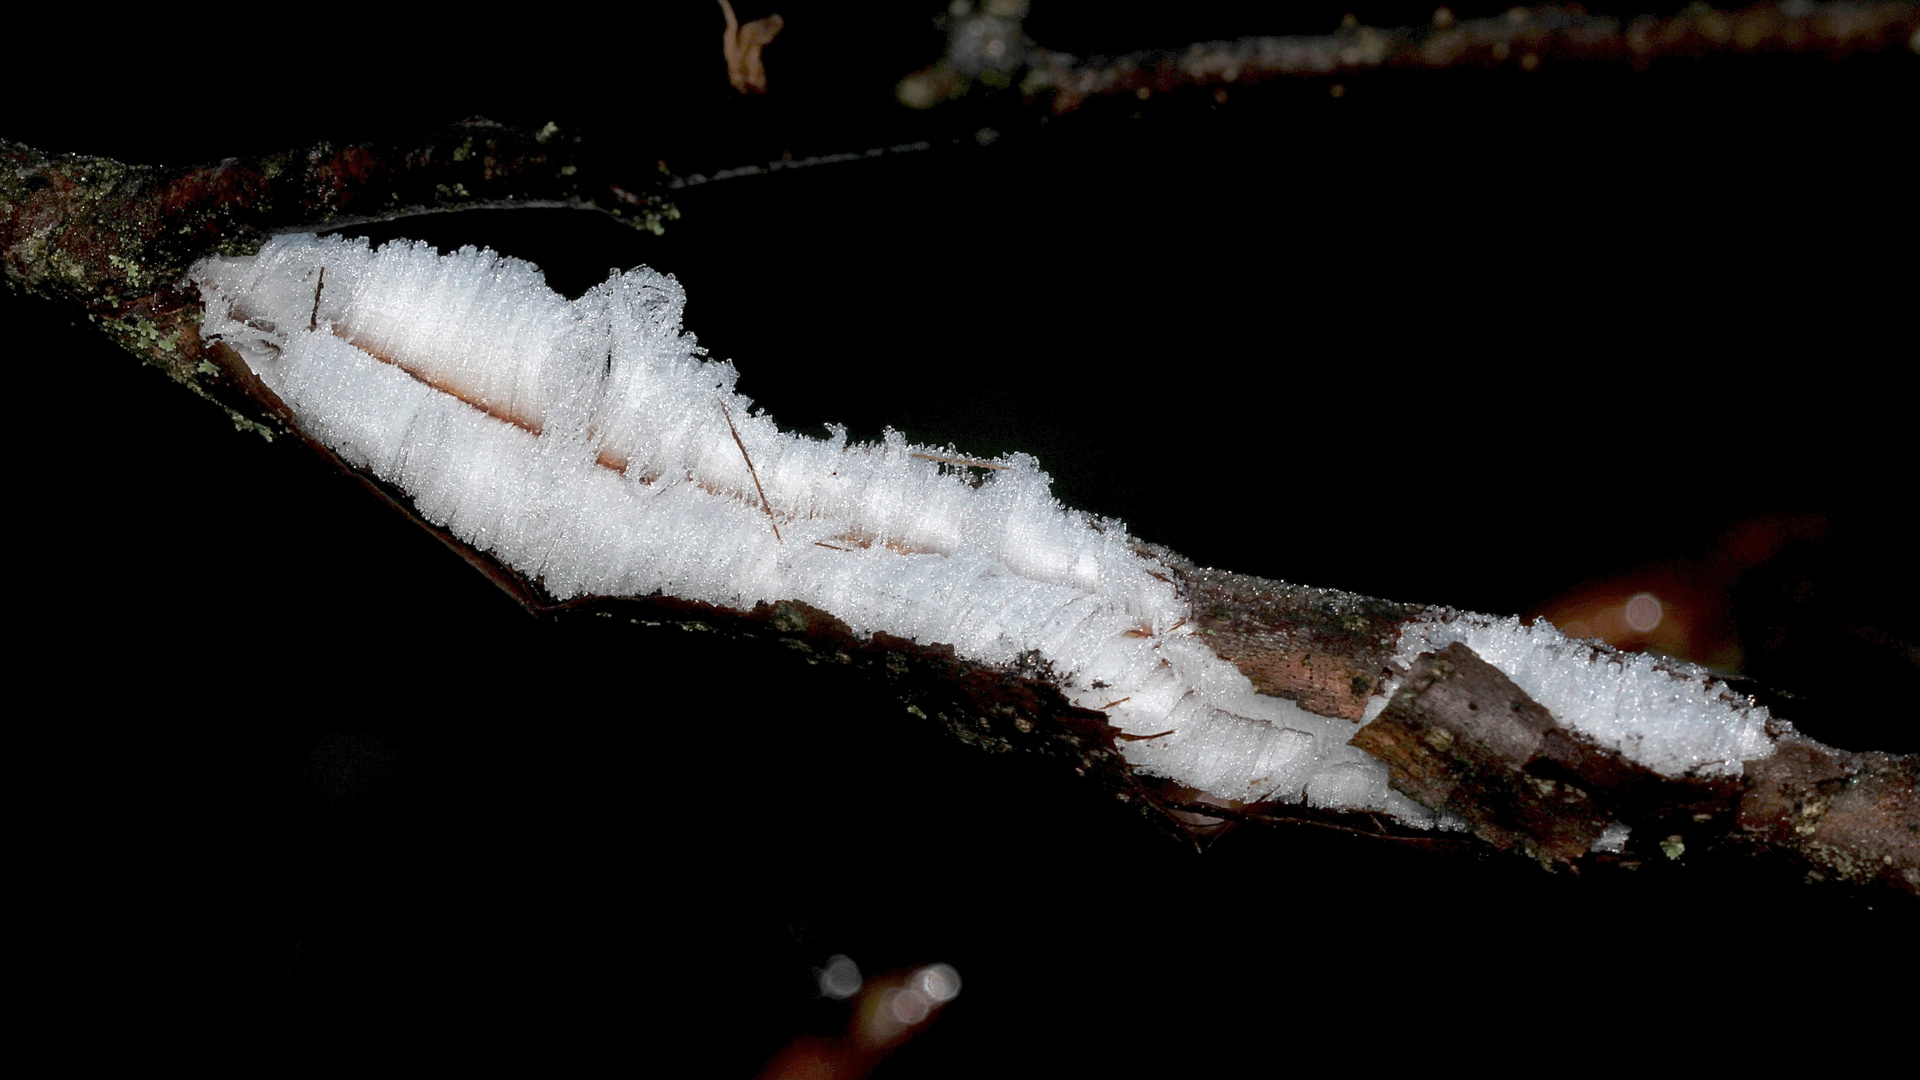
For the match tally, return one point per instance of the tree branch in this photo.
(116, 240)
(989, 50)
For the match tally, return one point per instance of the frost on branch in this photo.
(589, 446)
(593, 449)
(1321, 654)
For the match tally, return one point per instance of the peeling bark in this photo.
(1460, 735)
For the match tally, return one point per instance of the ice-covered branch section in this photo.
(587, 444)
(1673, 717)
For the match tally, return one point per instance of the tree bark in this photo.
(116, 239)
(988, 52)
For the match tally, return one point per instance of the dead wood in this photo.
(113, 240)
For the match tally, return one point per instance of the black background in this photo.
(1471, 339)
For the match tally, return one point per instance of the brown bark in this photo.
(1525, 38)
(116, 239)
(1460, 735)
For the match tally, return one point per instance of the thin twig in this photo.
(993, 51)
(313, 321)
(751, 471)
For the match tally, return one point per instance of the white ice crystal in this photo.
(1613, 838)
(1670, 716)
(590, 445)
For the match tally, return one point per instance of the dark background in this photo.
(1473, 339)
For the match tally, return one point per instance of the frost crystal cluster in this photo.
(1672, 717)
(590, 445)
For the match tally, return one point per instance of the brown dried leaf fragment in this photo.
(741, 46)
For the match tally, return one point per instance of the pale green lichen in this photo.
(1812, 812)
(240, 246)
(65, 266)
(788, 618)
(135, 275)
(654, 221)
(242, 423)
(140, 334)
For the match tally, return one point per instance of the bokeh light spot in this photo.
(940, 982)
(908, 1006)
(1643, 612)
(840, 979)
